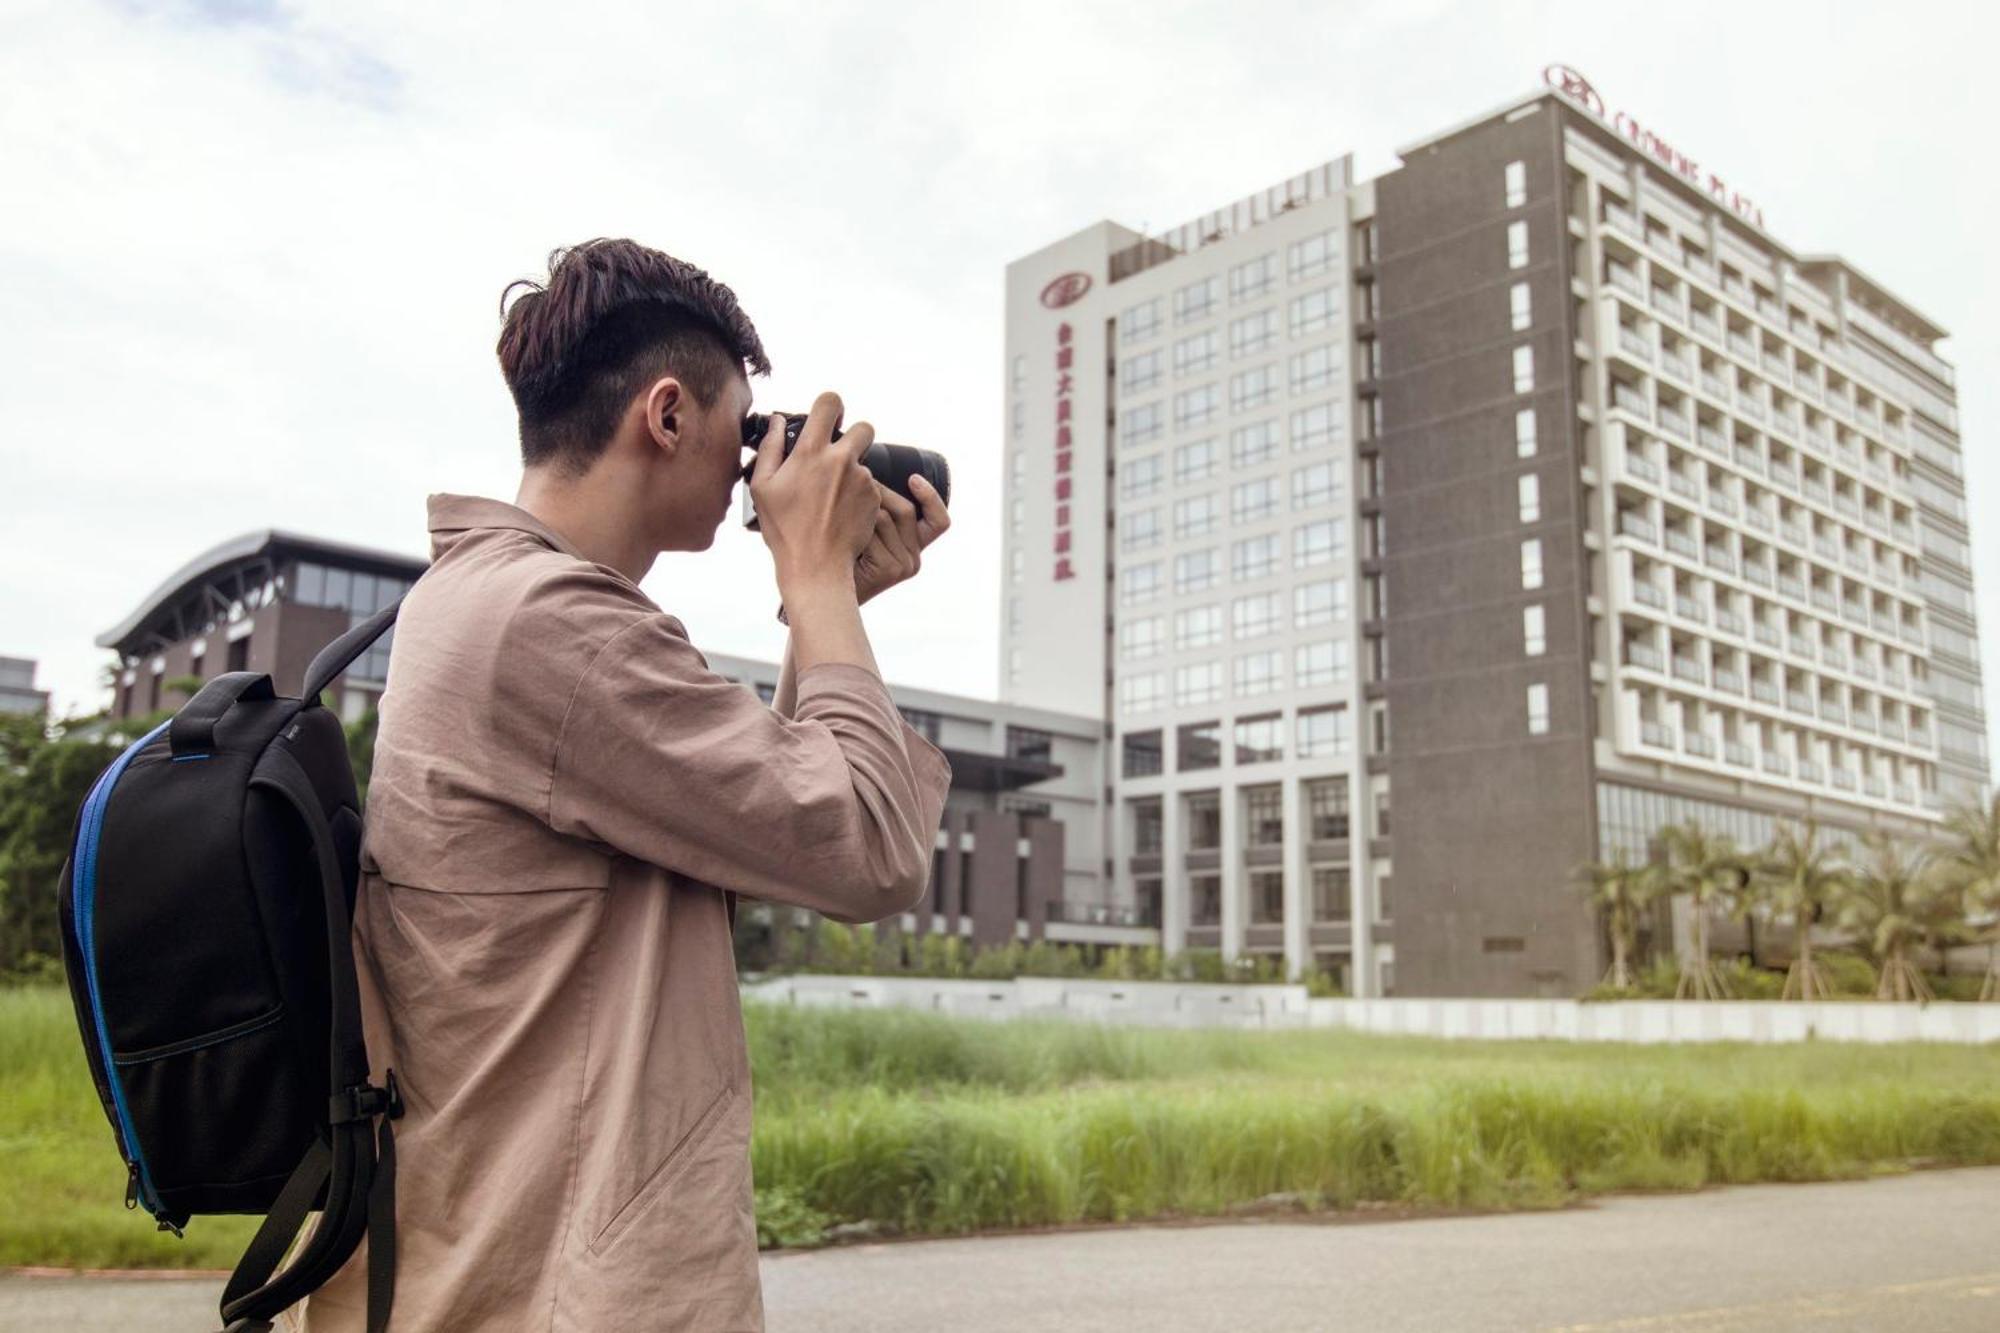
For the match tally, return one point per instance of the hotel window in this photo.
(1364, 242)
(1314, 485)
(1253, 388)
(1142, 692)
(1374, 537)
(1253, 278)
(1260, 740)
(1251, 501)
(1139, 321)
(1315, 368)
(1319, 603)
(1030, 743)
(1019, 376)
(1323, 733)
(1204, 821)
(1517, 245)
(1197, 299)
(1143, 757)
(1534, 630)
(1315, 427)
(1524, 369)
(1310, 256)
(1140, 637)
(1197, 683)
(1520, 306)
(1377, 593)
(1139, 372)
(1381, 819)
(1139, 583)
(1148, 827)
(1139, 424)
(1322, 663)
(1538, 709)
(1197, 571)
(1254, 557)
(1140, 477)
(1253, 333)
(1251, 445)
(1139, 529)
(1326, 813)
(1317, 543)
(1315, 311)
(1196, 516)
(1194, 461)
(1195, 407)
(1531, 498)
(1263, 817)
(1531, 563)
(1517, 184)
(1368, 301)
(1258, 673)
(1197, 745)
(1255, 616)
(1196, 352)
(1524, 433)
(1370, 352)
(1197, 627)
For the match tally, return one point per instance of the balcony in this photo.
(1712, 440)
(1714, 387)
(1625, 280)
(1767, 635)
(1784, 425)
(1721, 503)
(1834, 658)
(1763, 691)
(1785, 476)
(1777, 367)
(1631, 342)
(1638, 466)
(1686, 668)
(1730, 682)
(1687, 608)
(1676, 424)
(1631, 400)
(1861, 721)
(1756, 573)
(1667, 304)
(1104, 914)
(1738, 754)
(1843, 778)
(1632, 525)
(1791, 587)
(1676, 367)
(1875, 787)
(1718, 558)
(1833, 712)
(1802, 647)
(1643, 655)
(1778, 764)
(1700, 744)
(1825, 601)
(1681, 484)
(1682, 544)
(1743, 347)
(1817, 490)
(1810, 771)
(1749, 459)
(1796, 536)
(1728, 622)
(1647, 591)
(1896, 680)
(1749, 407)
(1657, 735)
(1759, 520)
(1799, 702)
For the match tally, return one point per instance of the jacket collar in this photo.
(451, 516)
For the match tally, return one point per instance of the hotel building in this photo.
(1532, 490)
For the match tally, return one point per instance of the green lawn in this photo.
(931, 1126)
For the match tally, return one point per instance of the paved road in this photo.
(1911, 1252)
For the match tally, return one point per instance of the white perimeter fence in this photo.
(1165, 1004)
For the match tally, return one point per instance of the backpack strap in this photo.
(339, 655)
(357, 1162)
(193, 728)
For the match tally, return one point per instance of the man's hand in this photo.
(817, 509)
(902, 531)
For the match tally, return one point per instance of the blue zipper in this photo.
(86, 935)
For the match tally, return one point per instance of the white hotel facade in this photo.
(1533, 485)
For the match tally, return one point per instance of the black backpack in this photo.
(206, 910)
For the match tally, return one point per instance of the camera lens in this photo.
(891, 464)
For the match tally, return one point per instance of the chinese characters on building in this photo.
(1065, 379)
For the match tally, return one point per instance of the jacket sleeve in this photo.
(835, 808)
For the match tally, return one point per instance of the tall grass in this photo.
(927, 1125)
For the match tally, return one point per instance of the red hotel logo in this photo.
(1577, 88)
(1065, 290)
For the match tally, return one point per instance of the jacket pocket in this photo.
(671, 1168)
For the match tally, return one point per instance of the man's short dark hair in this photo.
(612, 317)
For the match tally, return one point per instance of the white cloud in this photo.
(252, 252)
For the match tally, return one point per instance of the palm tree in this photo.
(1972, 861)
(1886, 903)
(1802, 878)
(1710, 871)
(1619, 888)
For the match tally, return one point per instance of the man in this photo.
(565, 801)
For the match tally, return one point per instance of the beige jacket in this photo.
(563, 795)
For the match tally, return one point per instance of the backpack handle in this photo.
(193, 728)
(339, 655)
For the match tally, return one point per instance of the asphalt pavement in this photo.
(1913, 1252)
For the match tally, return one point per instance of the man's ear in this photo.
(666, 410)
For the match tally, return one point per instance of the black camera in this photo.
(891, 464)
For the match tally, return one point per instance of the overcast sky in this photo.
(250, 253)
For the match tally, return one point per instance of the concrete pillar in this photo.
(1233, 903)
(1361, 981)
(1297, 881)
(951, 887)
(995, 879)
(1173, 874)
